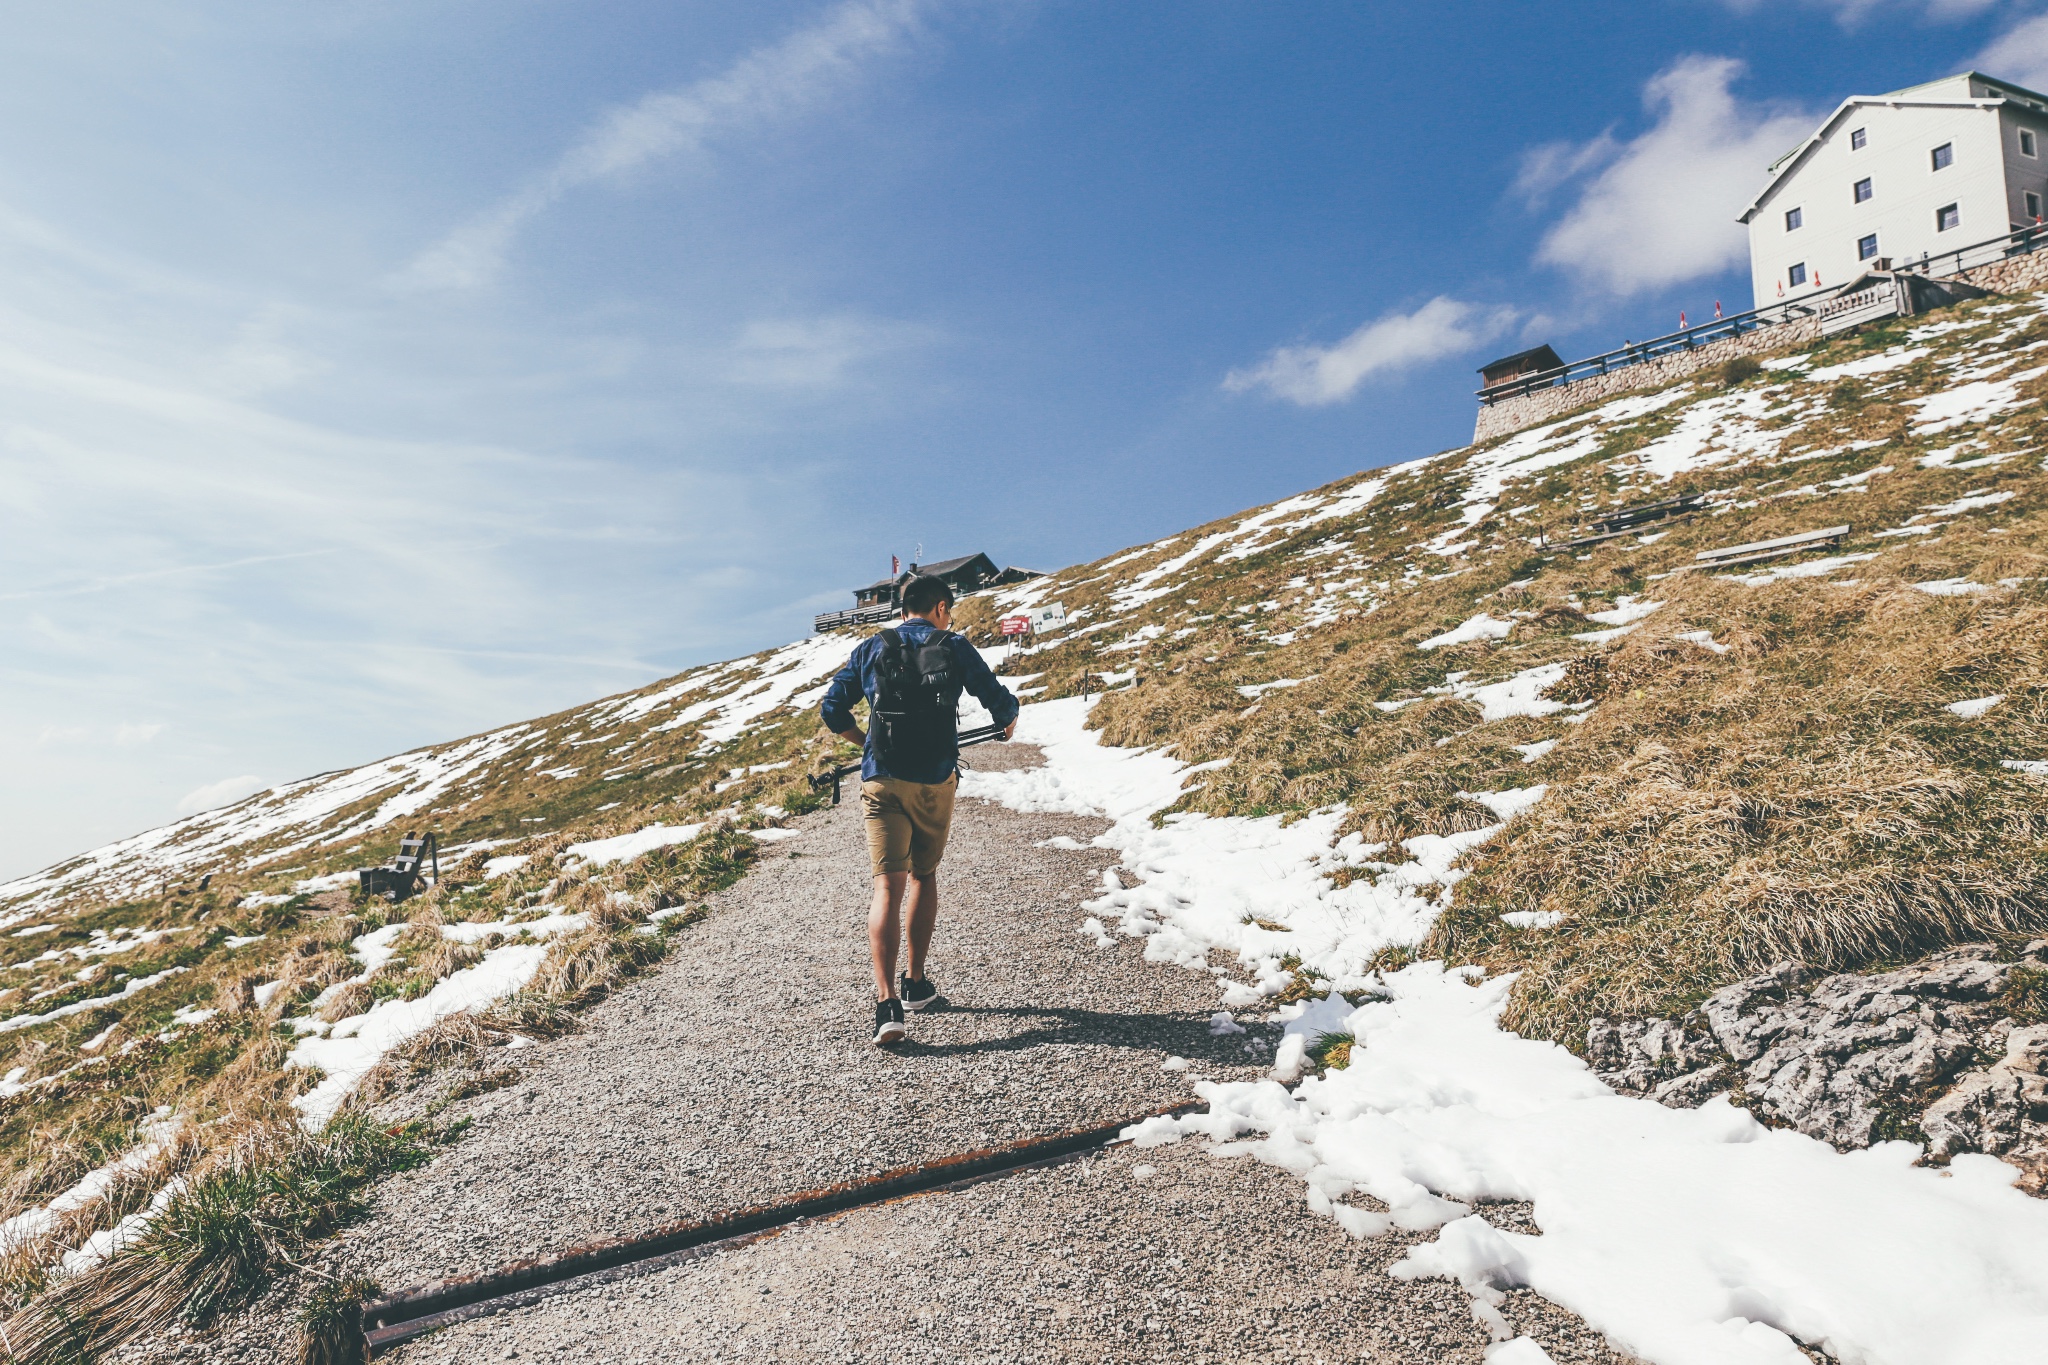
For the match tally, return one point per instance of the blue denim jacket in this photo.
(857, 680)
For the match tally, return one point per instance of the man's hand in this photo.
(1010, 730)
(854, 737)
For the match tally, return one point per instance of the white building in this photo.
(1890, 178)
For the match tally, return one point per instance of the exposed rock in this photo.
(2002, 1109)
(1925, 1053)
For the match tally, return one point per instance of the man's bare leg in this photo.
(885, 930)
(923, 907)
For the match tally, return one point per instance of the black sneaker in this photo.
(918, 994)
(889, 1022)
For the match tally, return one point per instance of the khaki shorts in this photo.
(908, 823)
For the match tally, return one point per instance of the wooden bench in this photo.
(1626, 520)
(401, 878)
(1756, 551)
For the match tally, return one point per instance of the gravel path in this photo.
(1198, 1261)
(742, 1071)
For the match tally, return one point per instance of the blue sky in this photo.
(375, 373)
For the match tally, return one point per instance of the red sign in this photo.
(1014, 625)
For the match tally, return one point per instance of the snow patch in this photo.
(1480, 627)
(626, 847)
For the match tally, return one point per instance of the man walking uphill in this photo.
(912, 677)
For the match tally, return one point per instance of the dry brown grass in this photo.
(250, 1204)
(456, 1040)
(29, 1264)
(1803, 797)
(351, 999)
(446, 958)
(255, 1087)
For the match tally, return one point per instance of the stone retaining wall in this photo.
(2012, 276)
(1513, 414)
(2015, 275)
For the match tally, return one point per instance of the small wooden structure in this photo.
(881, 600)
(402, 878)
(1756, 551)
(1522, 365)
(1623, 521)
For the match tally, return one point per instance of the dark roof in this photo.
(941, 569)
(946, 566)
(1541, 358)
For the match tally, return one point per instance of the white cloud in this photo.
(219, 793)
(1317, 375)
(2019, 54)
(816, 353)
(1849, 13)
(780, 80)
(1554, 164)
(1662, 207)
(199, 557)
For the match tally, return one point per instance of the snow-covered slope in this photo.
(666, 737)
(1416, 717)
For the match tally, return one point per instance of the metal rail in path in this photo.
(414, 1312)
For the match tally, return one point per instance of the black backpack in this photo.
(917, 692)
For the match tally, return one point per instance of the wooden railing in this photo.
(857, 616)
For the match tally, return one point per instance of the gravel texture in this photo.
(744, 1070)
(741, 1071)
(1200, 1260)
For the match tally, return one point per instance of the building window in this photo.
(1866, 247)
(1796, 276)
(2033, 206)
(1862, 189)
(1856, 140)
(1944, 156)
(1946, 217)
(2027, 142)
(1793, 218)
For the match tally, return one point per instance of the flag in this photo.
(895, 566)
(1681, 320)
(1717, 310)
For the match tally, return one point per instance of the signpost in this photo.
(1046, 617)
(1014, 625)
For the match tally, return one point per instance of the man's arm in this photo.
(840, 698)
(986, 687)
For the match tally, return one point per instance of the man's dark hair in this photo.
(924, 592)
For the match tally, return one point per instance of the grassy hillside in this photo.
(1742, 765)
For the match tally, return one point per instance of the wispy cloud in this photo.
(1850, 13)
(2019, 54)
(1315, 376)
(799, 354)
(219, 793)
(1547, 168)
(217, 565)
(1660, 208)
(782, 80)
